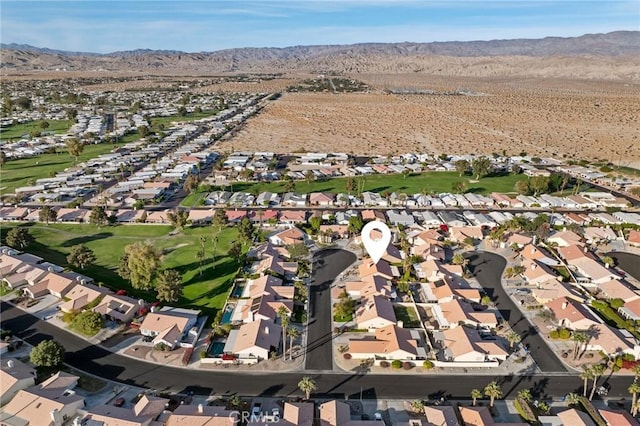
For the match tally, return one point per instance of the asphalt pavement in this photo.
(487, 268)
(628, 262)
(327, 265)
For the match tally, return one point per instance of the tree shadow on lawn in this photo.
(378, 189)
(224, 268)
(87, 238)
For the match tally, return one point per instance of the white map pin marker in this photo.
(376, 248)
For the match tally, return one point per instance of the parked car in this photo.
(255, 411)
(119, 402)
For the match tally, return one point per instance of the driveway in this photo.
(628, 262)
(327, 265)
(487, 268)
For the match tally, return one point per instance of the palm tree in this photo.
(585, 375)
(493, 391)
(307, 385)
(634, 389)
(513, 338)
(292, 333)
(598, 370)
(579, 338)
(525, 394)
(283, 314)
(636, 371)
(475, 394)
(572, 399)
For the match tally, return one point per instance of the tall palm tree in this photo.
(307, 385)
(634, 389)
(572, 399)
(636, 371)
(513, 338)
(475, 394)
(493, 391)
(598, 370)
(283, 314)
(579, 338)
(292, 332)
(586, 374)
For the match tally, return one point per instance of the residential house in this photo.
(460, 234)
(458, 312)
(369, 215)
(532, 252)
(634, 238)
(235, 216)
(565, 238)
(390, 342)
(52, 403)
(201, 217)
(293, 199)
(321, 199)
(119, 308)
(145, 412)
(288, 237)
(51, 283)
(550, 290)
(26, 274)
(169, 326)
(14, 376)
(617, 418)
(443, 415)
(203, 415)
(400, 217)
(597, 234)
(298, 414)
(590, 269)
(292, 217)
(372, 285)
(382, 268)
(463, 344)
(615, 289)
(256, 339)
(336, 413)
(375, 312)
(575, 417)
(537, 272)
(572, 314)
(82, 295)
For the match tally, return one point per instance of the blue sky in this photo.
(107, 26)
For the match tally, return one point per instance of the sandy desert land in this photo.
(548, 117)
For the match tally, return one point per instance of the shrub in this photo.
(628, 357)
(347, 356)
(407, 365)
(48, 353)
(396, 364)
(203, 354)
(161, 347)
(384, 364)
(428, 365)
(524, 410)
(591, 410)
(560, 333)
(88, 323)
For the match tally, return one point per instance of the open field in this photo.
(429, 182)
(544, 117)
(18, 130)
(207, 291)
(17, 173)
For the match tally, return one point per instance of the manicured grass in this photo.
(611, 317)
(347, 318)
(205, 288)
(407, 315)
(193, 199)
(18, 130)
(17, 173)
(430, 182)
(169, 120)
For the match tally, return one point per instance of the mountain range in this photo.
(365, 57)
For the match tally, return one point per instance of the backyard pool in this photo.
(216, 349)
(237, 291)
(226, 315)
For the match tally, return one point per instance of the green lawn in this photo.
(407, 315)
(18, 130)
(169, 120)
(206, 289)
(194, 199)
(17, 173)
(432, 182)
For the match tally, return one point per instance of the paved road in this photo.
(628, 262)
(487, 268)
(328, 264)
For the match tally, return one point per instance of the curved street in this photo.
(99, 361)
(487, 267)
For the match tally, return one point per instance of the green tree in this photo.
(461, 166)
(539, 184)
(481, 167)
(525, 395)
(458, 259)
(459, 187)
(298, 251)
(307, 385)
(47, 214)
(143, 131)
(315, 223)
(355, 225)
(493, 391)
(634, 389)
(572, 399)
(579, 338)
(182, 111)
(140, 264)
(523, 187)
(283, 314)
(475, 394)
(88, 322)
(608, 261)
(178, 218)
(598, 370)
(513, 338)
(191, 183)
(290, 184)
(220, 219)
(44, 124)
(81, 256)
(309, 176)
(586, 374)
(349, 185)
(98, 216)
(169, 286)
(235, 251)
(48, 353)
(292, 332)
(75, 148)
(19, 238)
(246, 230)
(3, 158)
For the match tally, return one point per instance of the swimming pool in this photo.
(216, 349)
(237, 291)
(226, 315)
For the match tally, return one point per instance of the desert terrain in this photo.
(547, 117)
